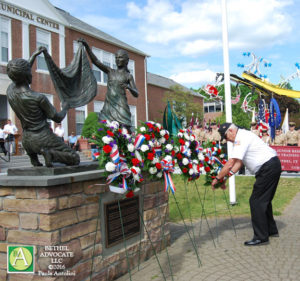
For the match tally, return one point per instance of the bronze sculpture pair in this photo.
(33, 109)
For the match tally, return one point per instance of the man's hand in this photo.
(214, 183)
(223, 186)
(221, 183)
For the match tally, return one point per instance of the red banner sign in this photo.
(289, 157)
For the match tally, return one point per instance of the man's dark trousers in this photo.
(264, 188)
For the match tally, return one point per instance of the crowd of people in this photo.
(291, 138)
(209, 133)
(9, 130)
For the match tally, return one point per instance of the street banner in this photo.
(289, 157)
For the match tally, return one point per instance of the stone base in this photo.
(65, 212)
(58, 169)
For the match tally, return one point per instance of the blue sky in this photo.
(184, 37)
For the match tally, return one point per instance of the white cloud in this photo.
(194, 77)
(199, 46)
(194, 27)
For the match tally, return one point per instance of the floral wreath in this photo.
(155, 148)
(151, 150)
(122, 169)
(214, 160)
(187, 154)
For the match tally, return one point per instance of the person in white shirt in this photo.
(2, 139)
(10, 130)
(261, 160)
(59, 131)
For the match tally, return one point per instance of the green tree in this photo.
(90, 125)
(184, 103)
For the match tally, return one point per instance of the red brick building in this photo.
(26, 25)
(157, 87)
(213, 110)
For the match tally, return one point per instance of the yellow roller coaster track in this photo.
(269, 86)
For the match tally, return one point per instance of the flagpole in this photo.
(232, 194)
(285, 123)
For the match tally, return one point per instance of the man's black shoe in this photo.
(256, 242)
(274, 234)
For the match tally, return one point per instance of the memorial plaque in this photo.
(130, 217)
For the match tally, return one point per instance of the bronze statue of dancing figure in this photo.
(33, 109)
(116, 106)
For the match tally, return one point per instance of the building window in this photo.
(43, 38)
(98, 105)
(219, 107)
(106, 60)
(96, 70)
(75, 47)
(131, 68)
(81, 113)
(133, 115)
(3, 107)
(109, 60)
(213, 107)
(5, 39)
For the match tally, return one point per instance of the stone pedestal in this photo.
(63, 210)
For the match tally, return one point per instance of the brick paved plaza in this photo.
(230, 259)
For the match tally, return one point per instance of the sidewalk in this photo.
(230, 259)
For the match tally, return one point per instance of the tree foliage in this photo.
(285, 102)
(90, 125)
(183, 103)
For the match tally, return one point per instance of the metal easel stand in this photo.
(187, 231)
(203, 213)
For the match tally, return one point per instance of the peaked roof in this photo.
(77, 24)
(41, 7)
(166, 83)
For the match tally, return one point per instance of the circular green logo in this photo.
(20, 258)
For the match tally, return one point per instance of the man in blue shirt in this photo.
(73, 141)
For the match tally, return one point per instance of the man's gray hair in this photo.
(232, 126)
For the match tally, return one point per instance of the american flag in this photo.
(262, 124)
(261, 111)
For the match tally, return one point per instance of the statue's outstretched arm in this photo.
(35, 54)
(93, 58)
(50, 111)
(59, 116)
(132, 87)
